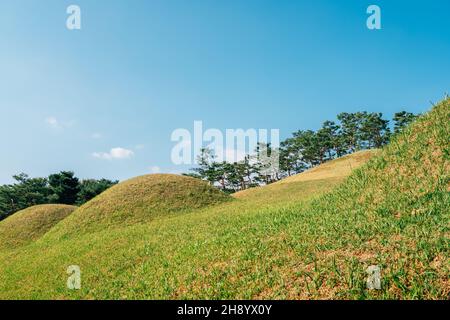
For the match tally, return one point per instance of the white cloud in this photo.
(54, 123)
(114, 153)
(155, 169)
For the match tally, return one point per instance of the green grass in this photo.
(302, 186)
(310, 238)
(141, 200)
(30, 224)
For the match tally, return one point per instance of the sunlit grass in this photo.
(308, 239)
(30, 224)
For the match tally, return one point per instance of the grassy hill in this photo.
(141, 200)
(309, 183)
(30, 224)
(311, 236)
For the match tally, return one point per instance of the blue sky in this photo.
(138, 70)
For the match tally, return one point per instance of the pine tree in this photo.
(65, 187)
(402, 119)
(374, 130)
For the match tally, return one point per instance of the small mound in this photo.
(30, 224)
(142, 199)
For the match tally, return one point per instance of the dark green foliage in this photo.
(309, 147)
(65, 187)
(60, 188)
(402, 119)
(329, 142)
(374, 130)
(90, 188)
(351, 130)
(24, 193)
(290, 157)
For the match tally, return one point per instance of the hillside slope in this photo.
(310, 183)
(395, 213)
(30, 224)
(337, 168)
(140, 200)
(180, 245)
(392, 212)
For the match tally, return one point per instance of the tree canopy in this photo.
(60, 188)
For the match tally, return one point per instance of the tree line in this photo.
(303, 150)
(59, 188)
(351, 132)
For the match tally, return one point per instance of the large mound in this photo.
(30, 224)
(142, 199)
(395, 212)
(409, 177)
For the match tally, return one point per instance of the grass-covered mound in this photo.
(223, 251)
(142, 199)
(30, 224)
(392, 212)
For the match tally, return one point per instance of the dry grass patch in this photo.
(341, 167)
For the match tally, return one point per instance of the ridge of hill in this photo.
(140, 200)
